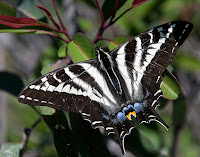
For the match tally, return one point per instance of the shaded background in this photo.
(25, 55)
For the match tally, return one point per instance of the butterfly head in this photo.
(101, 53)
(98, 49)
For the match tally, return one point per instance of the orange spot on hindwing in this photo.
(131, 113)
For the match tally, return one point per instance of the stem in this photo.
(99, 34)
(100, 11)
(103, 27)
(67, 41)
(27, 133)
(115, 8)
(61, 23)
(112, 22)
(56, 65)
(50, 16)
(33, 107)
(53, 34)
(177, 132)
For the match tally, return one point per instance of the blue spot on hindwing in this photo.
(105, 116)
(130, 106)
(127, 108)
(121, 117)
(138, 107)
(124, 109)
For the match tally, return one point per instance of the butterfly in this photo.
(117, 86)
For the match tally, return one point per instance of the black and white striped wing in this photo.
(81, 87)
(142, 60)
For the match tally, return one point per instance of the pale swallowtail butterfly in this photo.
(117, 86)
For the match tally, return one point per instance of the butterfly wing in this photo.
(81, 87)
(141, 61)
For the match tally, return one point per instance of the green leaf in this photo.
(187, 63)
(82, 49)
(11, 83)
(7, 9)
(170, 86)
(10, 150)
(112, 45)
(47, 110)
(85, 44)
(62, 51)
(28, 8)
(121, 39)
(75, 53)
(23, 31)
(47, 68)
(179, 110)
(63, 137)
(26, 30)
(118, 41)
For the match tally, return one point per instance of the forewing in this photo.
(141, 61)
(83, 88)
(149, 54)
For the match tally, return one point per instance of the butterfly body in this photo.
(117, 86)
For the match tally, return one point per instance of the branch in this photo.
(175, 144)
(56, 65)
(100, 11)
(26, 135)
(53, 34)
(103, 27)
(50, 16)
(99, 34)
(61, 23)
(112, 22)
(115, 7)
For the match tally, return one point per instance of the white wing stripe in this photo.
(95, 74)
(138, 57)
(87, 87)
(59, 80)
(45, 86)
(59, 87)
(121, 63)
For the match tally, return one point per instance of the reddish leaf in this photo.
(137, 3)
(21, 22)
(17, 22)
(45, 10)
(110, 7)
(50, 16)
